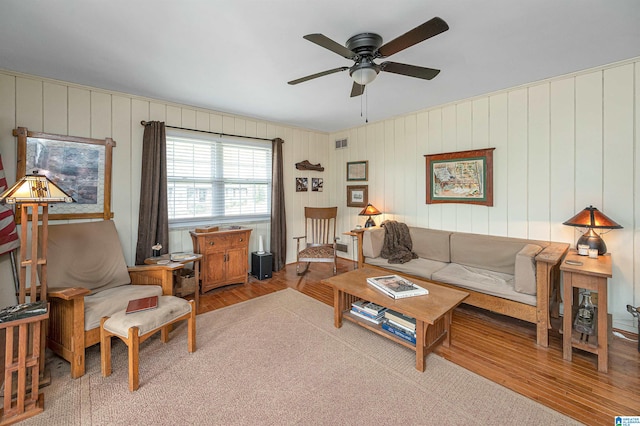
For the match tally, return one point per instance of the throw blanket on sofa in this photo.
(397, 246)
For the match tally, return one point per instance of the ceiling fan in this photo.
(364, 48)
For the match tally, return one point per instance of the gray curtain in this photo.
(278, 217)
(153, 220)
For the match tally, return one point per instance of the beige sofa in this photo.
(510, 276)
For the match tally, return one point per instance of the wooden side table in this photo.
(591, 274)
(195, 258)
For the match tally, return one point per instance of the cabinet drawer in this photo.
(222, 242)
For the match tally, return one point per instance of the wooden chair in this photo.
(320, 238)
(88, 279)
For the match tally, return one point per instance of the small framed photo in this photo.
(302, 184)
(357, 195)
(316, 184)
(357, 170)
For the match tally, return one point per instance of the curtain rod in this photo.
(144, 123)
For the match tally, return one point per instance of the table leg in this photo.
(566, 321)
(603, 327)
(421, 333)
(196, 274)
(338, 307)
(447, 329)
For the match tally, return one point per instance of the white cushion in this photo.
(169, 308)
(107, 302)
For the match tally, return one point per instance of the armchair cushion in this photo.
(91, 253)
(108, 302)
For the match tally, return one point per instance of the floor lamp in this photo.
(33, 192)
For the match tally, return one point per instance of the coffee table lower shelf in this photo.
(435, 334)
(427, 336)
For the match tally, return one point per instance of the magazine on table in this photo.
(397, 287)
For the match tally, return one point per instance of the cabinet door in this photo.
(237, 265)
(214, 270)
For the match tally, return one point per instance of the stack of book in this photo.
(369, 311)
(396, 286)
(400, 325)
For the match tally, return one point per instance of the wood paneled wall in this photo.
(561, 145)
(51, 106)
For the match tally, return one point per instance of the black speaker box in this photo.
(261, 265)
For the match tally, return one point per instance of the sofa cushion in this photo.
(431, 243)
(108, 302)
(372, 241)
(486, 252)
(525, 275)
(423, 268)
(482, 280)
(87, 255)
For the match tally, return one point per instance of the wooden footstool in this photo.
(137, 327)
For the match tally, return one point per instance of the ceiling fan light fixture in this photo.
(364, 75)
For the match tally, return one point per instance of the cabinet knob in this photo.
(241, 240)
(210, 243)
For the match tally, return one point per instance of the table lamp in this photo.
(592, 218)
(369, 211)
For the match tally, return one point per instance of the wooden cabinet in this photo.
(225, 256)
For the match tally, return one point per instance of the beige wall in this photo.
(560, 145)
(49, 106)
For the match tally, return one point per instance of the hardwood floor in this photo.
(499, 348)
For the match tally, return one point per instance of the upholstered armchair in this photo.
(88, 279)
(319, 238)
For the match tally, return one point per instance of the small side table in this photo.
(196, 259)
(592, 275)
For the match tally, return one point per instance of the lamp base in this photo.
(594, 241)
(369, 223)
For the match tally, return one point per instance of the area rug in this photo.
(278, 360)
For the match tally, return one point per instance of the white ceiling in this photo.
(236, 56)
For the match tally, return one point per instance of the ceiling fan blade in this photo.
(420, 33)
(320, 74)
(357, 89)
(327, 43)
(409, 70)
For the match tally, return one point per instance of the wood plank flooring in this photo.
(499, 348)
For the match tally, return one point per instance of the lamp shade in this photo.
(35, 189)
(591, 217)
(369, 211)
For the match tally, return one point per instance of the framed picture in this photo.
(316, 184)
(357, 170)
(460, 177)
(357, 195)
(79, 166)
(302, 184)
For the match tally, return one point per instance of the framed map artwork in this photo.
(460, 177)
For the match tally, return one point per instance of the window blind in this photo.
(216, 179)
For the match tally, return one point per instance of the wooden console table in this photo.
(592, 275)
(433, 312)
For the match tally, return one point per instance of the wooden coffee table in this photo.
(432, 312)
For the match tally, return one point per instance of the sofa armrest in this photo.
(548, 288)
(68, 293)
(161, 275)
(553, 253)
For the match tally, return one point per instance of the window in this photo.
(215, 179)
